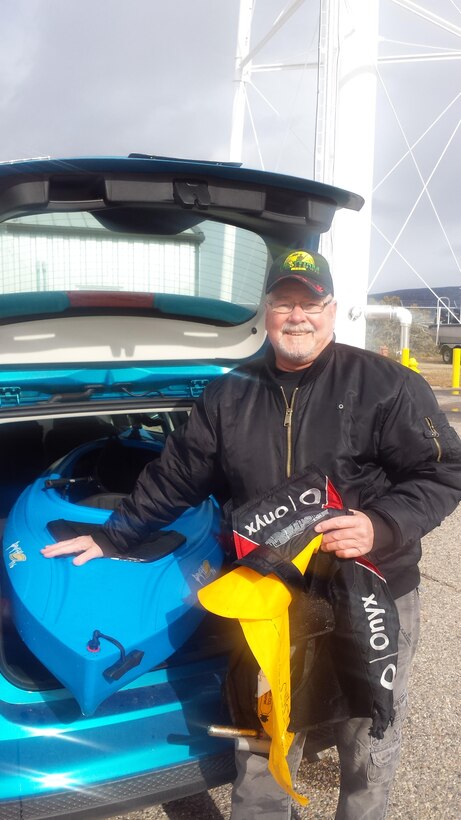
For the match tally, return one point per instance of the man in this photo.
(374, 427)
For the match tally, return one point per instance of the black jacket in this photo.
(373, 426)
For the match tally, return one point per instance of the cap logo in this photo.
(300, 261)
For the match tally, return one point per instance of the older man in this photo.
(374, 427)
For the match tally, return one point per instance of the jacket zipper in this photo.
(435, 436)
(287, 424)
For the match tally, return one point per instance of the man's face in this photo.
(298, 338)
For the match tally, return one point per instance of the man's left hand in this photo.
(348, 536)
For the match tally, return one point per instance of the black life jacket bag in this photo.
(344, 624)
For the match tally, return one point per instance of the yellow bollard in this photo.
(405, 356)
(456, 370)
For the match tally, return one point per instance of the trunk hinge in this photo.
(197, 386)
(10, 395)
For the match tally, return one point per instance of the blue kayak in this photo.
(99, 626)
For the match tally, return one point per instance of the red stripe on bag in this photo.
(243, 545)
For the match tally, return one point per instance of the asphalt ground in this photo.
(428, 779)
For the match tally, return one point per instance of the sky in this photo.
(112, 77)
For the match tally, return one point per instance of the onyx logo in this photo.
(388, 676)
(307, 498)
(378, 638)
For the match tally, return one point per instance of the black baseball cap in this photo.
(308, 267)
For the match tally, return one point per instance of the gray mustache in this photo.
(289, 327)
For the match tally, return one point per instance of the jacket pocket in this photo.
(445, 442)
(384, 754)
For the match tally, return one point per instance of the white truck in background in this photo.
(446, 330)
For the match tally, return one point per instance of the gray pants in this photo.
(367, 765)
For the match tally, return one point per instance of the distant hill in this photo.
(422, 297)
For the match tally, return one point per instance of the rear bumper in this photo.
(147, 744)
(125, 795)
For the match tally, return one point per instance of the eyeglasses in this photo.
(280, 306)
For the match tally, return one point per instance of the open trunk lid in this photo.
(144, 261)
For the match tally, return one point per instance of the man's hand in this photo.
(83, 544)
(348, 536)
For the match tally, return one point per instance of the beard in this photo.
(296, 349)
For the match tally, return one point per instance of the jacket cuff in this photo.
(108, 547)
(385, 535)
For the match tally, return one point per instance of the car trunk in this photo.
(101, 471)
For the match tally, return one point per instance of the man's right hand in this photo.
(83, 544)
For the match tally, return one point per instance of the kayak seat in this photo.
(102, 501)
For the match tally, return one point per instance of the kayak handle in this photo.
(57, 483)
(125, 662)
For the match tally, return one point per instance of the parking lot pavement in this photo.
(427, 784)
(449, 400)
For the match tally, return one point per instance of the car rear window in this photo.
(210, 263)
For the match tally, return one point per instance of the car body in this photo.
(126, 285)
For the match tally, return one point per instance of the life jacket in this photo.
(270, 531)
(285, 593)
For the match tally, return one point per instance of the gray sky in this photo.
(111, 77)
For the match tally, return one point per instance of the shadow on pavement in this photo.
(201, 805)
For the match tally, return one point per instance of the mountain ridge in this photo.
(422, 297)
